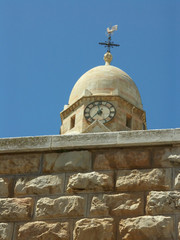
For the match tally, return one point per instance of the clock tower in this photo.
(104, 99)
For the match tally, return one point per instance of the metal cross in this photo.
(109, 44)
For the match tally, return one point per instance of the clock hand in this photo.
(95, 114)
(99, 107)
(99, 112)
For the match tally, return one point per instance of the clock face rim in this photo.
(90, 119)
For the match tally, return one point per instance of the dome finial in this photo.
(109, 44)
(107, 58)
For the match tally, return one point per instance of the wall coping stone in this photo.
(90, 141)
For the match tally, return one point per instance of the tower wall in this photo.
(120, 185)
(118, 123)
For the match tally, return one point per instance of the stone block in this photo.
(122, 204)
(91, 229)
(163, 202)
(166, 156)
(49, 184)
(6, 230)
(16, 209)
(84, 141)
(66, 206)
(67, 161)
(123, 158)
(115, 139)
(98, 207)
(40, 230)
(177, 179)
(144, 180)
(179, 231)
(4, 187)
(19, 163)
(90, 182)
(25, 144)
(147, 228)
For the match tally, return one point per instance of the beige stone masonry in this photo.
(67, 161)
(96, 186)
(90, 141)
(163, 202)
(144, 180)
(48, 184)
(40, 230)
(166, 157)
(119, 159)
(90, 182)
(91, 229)
(19, 163)
(99, 207)
(116, 139)
(121, 205)
(25, 144)
(177, 179)
(16, 209)
(66, 206)
(4, 187)
(6, 230)
(147, 228)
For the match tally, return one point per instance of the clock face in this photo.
(99, 110)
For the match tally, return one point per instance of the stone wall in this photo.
(101, 188)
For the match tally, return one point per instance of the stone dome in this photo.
(106, 80)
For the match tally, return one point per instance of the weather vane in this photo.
(109, 43)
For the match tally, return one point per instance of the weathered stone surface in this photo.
(177, 179)
(67, 161)
(98, 207)
(147, 228)
(6, 230)
(117, 159)
(16, 209)
(19, 163)
(88, 182)
(122, 204)
(49, 184)
(163, 202)
(166, 157)
(25, 144)
(103, 140)
(66, 206)
(179, 230)
(116, 139)
(40, 230)
(4, 185)
(91, 229)
(146, 179)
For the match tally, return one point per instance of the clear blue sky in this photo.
(46, 45)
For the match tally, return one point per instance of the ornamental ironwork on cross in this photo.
(109, 44)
